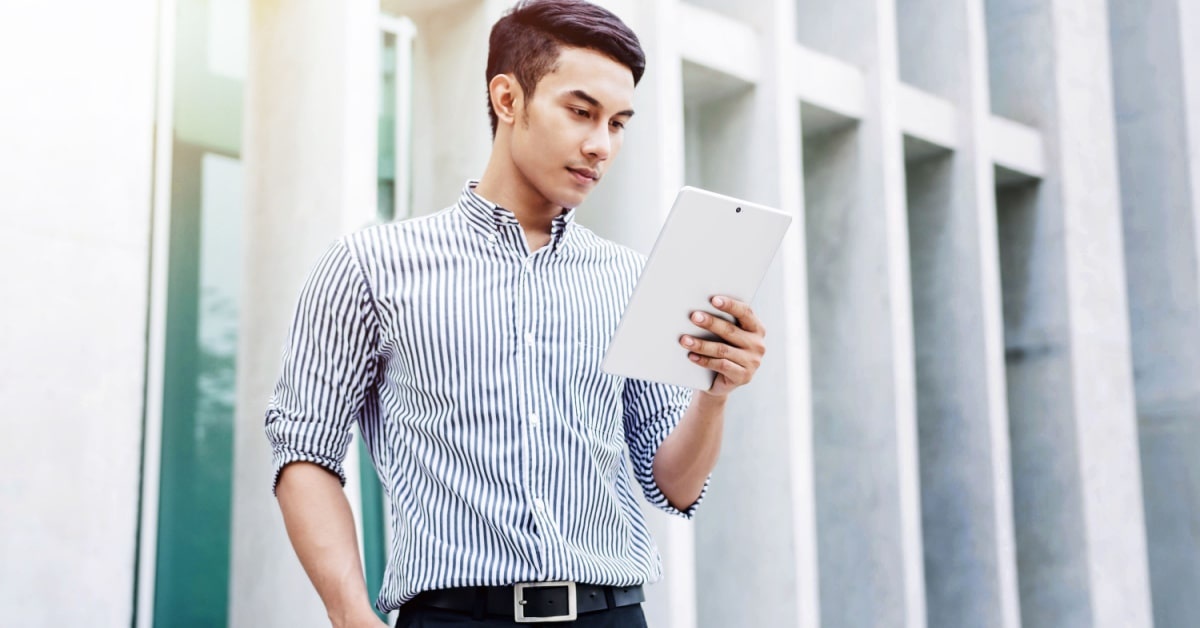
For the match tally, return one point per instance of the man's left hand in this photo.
(738, 353)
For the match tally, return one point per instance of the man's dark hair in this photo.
(526, 41)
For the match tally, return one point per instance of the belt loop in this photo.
(481, 603)
(609, 597)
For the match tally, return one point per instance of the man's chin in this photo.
(572, 200)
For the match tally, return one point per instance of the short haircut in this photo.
(527, 40)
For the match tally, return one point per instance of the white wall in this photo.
(75, 186)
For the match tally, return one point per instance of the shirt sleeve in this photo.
(328, 366)
(651, 413)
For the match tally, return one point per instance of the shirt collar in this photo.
(492, 220)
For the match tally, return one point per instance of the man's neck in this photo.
(510, 191)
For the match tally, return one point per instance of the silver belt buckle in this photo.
(519, 602)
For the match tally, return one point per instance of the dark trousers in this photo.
(419, 617)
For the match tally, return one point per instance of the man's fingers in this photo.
(722, 351)
(709, 348)
(741, 312)
(738, 353)
(726, 330)
(734, 372)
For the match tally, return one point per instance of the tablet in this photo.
(710, 245)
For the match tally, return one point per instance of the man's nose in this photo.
(598, 144)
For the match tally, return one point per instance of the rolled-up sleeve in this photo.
(328, 366)
(651, 413)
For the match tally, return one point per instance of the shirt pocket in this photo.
(596, 395)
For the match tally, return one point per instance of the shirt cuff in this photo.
(305, 441)
(653, 439)
(284, 457)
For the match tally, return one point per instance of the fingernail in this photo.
(718, 301)
(693, 357)
(687, 341)
(698, 317)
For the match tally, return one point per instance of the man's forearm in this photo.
(687, 457)
(321, 528)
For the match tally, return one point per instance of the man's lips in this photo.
(585, 173)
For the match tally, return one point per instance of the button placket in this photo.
(534, 435)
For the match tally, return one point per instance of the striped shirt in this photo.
(472, 366)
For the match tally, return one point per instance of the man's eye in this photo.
(617, 124)
(583, 113)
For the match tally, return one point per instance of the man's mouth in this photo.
(585, 173)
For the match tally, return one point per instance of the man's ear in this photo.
(507, 97)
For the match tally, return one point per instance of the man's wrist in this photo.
(712, 398)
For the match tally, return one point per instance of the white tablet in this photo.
(710, 245)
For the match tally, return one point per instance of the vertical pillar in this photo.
(1156, 84)
(451, 135)
(966, 489)
(1077, 496)
(864, 407)
(761, 506)
(310, 155)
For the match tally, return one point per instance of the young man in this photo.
(467, 345)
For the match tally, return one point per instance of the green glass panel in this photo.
(374, 541)
(191, 581)
(192, 562)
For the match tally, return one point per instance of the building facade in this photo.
(981, 401)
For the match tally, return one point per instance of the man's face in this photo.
(567, 135)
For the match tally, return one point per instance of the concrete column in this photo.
(76, 170)
(451, 134)
(864, 406)
(756, 537)
(1157, 105)
(966, 489)
(1077, 494)
(629, 207)
(310, 159)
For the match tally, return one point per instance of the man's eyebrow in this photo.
(591, 100)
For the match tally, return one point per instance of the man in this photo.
(467, 344)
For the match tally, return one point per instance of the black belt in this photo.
(534, 601)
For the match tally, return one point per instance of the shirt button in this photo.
(538, 504)
(533, 419)
(529, 338)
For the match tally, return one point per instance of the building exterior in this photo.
(981, 402)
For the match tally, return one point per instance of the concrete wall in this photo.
(76, 150)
